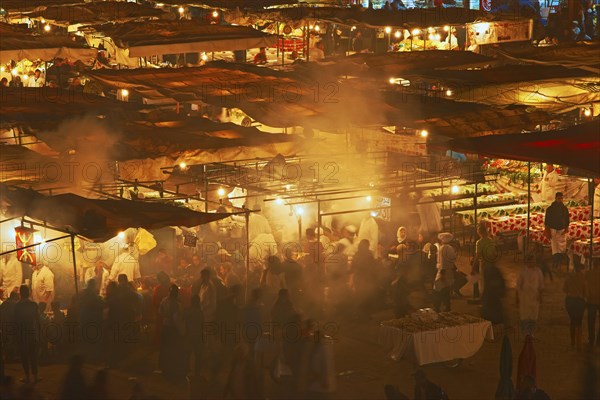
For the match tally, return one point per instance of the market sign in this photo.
(190, 240)
(384, 213)
(479, 33)
(25, 237)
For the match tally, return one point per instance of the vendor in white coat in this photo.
(369, 230)
(430, 216)
(126, 263)
(11, 274)
(100, 273)
(42, 284)
(550, 183)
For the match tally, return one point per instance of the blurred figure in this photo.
(592, 296)
(574, 289)
(194, 320)
(172, 351)
(28, 326)
(8, 327)
(425, 389)
(242, 380)
(74, 386)
(530, 391)
(363, 266)
(99, 388)
(530, 284)
(42, 284)
(399, 294)
(253, 318)
(557, 222)
(261, 57)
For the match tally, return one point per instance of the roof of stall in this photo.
(93, 13)
(420, 17)
(287, 99)
(231, 4)
(576, 147)
(171, 37)
(27, 5)
(584, 56)
(97, 220)
(18, 43)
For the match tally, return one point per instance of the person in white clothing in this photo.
(430, 216)
(550, 183)
(36, 80)
(11, 274)
(42, 284)
(126, 263)
(100, 274)
(530, 284)
(369, 230)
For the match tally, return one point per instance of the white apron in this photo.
(558, 241)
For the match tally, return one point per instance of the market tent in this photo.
(18, 44)
(97, 220)
(551, 88)
(150, 38)
(575, 147)
(94, 13)
(283, 99)
(48, 106)
(360, 17)
(584, 56)
(25, 5)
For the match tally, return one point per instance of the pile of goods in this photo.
(428, 320)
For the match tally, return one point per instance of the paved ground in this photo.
(363, 367)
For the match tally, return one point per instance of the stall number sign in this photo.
(24, 238)
(190, 240)
(383, 213)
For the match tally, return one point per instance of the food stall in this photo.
(427, 337)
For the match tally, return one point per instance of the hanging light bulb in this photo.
(587, 112)
(416, 32)
(121, 235)
(124, 92)
(449, 93)
(204, 57)
(317, 28)
(424, 133)
(182, 165)
(181, 10)
(221, 192)
(14, 72)
(397, 34)
(446, 28)
(455, 189)
(47, 28)
(215, 14)
(369, 198)
(299, 211)
(388, 30)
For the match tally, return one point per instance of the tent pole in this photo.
(247, 216)
(526, 244)
(591, 194)
(319, 271)
(475, 209)
(205, 190)
(33, 245)
(74, 264)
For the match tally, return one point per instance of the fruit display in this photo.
(444, 320)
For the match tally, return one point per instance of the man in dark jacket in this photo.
(27, 320)
(557, 224)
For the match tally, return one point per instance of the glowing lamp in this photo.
(14, 72)
(221, 192)
(182, 165)
(317, 28)
(121, 235)
(397, 34)
(587, 112)
(204, 57)
(124, 92)
(368, 198)
(446, 28)
(416, 32)
(388, 30)
(448, 92)
(279, 201)
(181, 10)
(299, 211)
(424, 133)
(454, 189)
(2, 69)
(47, 28)
(215, 14)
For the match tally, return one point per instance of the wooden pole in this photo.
(74, 265)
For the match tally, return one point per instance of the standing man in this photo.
(557, 223)
(550, 183)
(42, 284)
(530, 285)
(37, 80)
(592, 296)
(27, 320)
(11, 274)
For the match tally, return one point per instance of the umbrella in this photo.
(526, 366)
(505, 386)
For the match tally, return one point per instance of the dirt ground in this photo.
(363, 368)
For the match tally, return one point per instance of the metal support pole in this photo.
(526, 244)
(205, 190)
(591, 194)
(247, 216)
(74, 265)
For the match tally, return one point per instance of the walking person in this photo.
(194, 321)
(27, 321)
(592, 296)
(557, 222)
(574, 289)
(530, 284)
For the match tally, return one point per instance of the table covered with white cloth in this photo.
(453, 336)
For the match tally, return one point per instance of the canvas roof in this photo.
(18, 44)
(97, 220)
(576, 147)
(172, 37)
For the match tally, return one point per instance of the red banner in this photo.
(24, 237)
